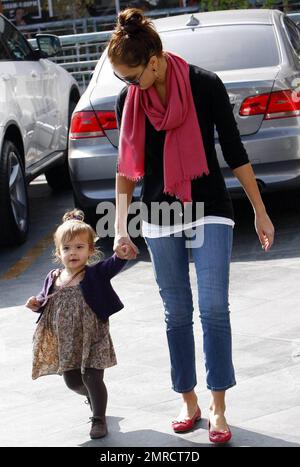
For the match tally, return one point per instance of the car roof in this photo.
(218, 18)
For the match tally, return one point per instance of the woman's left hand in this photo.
(265, 230)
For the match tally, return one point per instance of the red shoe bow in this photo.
(188, 424)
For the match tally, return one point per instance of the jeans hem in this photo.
(181, 391)
(223, 388)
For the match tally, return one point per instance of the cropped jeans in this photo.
(170, 260)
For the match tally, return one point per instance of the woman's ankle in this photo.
(190, 398)
(217, 409)
(217, 404)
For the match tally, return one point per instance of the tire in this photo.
(14, 210)
(58, 178)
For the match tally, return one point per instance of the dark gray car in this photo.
(255, 53)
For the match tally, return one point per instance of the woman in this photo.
(166, 117)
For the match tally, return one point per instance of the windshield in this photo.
(217, 48)
(221, 48)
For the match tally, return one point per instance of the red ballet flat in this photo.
(219, 436)
(186, 425)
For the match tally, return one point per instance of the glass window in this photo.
(14, 42)
(293, 33)
(232, 47)
(217, 48)
(4, 53)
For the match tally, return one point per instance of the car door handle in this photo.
(34, 74)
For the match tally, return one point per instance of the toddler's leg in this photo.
(93, 380)
(73, 380)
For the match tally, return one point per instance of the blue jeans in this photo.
(170, 260)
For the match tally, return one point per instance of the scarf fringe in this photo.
(192, 177)
(133, 179)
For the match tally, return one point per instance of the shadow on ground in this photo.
(151, 438)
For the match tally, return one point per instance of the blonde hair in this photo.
(72, 226)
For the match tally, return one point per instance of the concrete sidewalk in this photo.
(263, 409)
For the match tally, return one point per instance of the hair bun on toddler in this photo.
(75, 215)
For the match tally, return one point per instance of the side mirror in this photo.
(49, 45)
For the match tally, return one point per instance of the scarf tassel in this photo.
(133, 179)
(176, 186)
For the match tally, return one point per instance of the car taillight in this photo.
(91, 124)
(277, 104)
(254, 105)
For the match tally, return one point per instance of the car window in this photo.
(293, 33)
(14, 43)
(232, 47)
(295, 18)
(218, 48)
(4, 53)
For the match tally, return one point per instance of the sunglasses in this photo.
(135, 81)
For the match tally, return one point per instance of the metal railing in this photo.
(95, 23)
(81, 52)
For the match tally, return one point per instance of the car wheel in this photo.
(14, 211)
(58, 178)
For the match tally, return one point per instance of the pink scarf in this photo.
(184, 154)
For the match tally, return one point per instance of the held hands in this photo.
(265, 230)
(33, 304)
(125, 248)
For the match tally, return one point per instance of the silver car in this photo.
(37, 98)
(254, 52)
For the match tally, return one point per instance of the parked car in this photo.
(256, 54)
(37, 98)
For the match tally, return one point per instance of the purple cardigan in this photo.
(96, 287)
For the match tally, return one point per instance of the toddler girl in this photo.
(72, 337)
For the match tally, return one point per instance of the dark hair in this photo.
(134, 39)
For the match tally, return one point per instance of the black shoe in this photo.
(99, 428)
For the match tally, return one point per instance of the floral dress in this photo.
(70, 336)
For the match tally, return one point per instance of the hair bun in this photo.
(76, 215)
(131, 20)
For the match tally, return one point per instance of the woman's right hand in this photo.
(125, 248)
(33, 304)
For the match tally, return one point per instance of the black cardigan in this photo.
(213, 109)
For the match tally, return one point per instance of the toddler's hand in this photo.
(125, 248)
(33, 304)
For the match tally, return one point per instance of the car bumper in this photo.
(270, 177)
(91, 193)
(93, 166)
